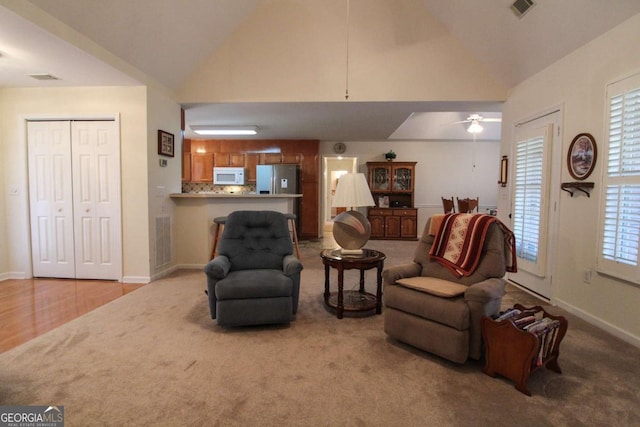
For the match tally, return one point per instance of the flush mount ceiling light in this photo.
(224, 130)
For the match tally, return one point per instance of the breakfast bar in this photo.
(194, 214)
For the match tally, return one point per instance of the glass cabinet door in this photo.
(381, 178)
(402, 178)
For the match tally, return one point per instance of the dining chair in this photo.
(468, 205)
(448, 205)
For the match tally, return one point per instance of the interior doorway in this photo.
(334, 167)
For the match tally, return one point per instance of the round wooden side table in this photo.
(356, 300)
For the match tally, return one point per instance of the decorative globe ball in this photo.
(351, 230)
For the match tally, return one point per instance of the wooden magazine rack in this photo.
(515, 353)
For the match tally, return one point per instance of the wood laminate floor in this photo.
(31, 307)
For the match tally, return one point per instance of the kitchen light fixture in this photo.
(351, 229)
(224, 130)
(474, 127)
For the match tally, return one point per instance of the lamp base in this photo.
(344, 251)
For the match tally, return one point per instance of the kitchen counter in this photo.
(193, 216)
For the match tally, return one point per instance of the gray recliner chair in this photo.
(445, 325)
(255, 279)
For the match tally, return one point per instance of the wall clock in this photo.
(339, 147)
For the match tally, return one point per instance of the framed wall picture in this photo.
(165, 143)
(582, 155)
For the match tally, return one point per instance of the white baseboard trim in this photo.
(17, 275)
(164, 273)
(530, 292)
(191, 266)
(602, 324)
(136, 279)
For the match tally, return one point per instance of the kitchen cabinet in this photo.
(292, 158)
(229, 160)
(201, 167)
(270, 158)
(186, 167)
(250, 162)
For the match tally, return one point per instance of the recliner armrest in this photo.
(485, 291)
(397, 272)
(218, 267)
(291, 265)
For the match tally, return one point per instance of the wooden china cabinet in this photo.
(392, 186)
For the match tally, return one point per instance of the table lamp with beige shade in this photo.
(351, 229)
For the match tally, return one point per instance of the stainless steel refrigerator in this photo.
(280, 179)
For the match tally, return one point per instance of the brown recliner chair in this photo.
(448, 326)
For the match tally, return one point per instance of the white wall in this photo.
(444, 169)
(164, 114)
(578, 82)
(130, 104)
(4, 200)
(297, 51)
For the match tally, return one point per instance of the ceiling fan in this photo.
(475, 120)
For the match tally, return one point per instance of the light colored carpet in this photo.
(155, 357)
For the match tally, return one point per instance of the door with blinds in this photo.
(533, 214)
(74, 192)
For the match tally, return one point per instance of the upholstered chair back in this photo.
(256, 240)
(492, 261)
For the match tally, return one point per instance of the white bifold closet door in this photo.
(74, 192)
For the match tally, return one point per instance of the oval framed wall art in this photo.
(582, 155)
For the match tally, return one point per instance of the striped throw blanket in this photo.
(458, 243)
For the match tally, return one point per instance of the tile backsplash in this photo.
(207, 187)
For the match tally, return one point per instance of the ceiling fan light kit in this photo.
(474, 127)
(475, 119)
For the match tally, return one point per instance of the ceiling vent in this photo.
(43, 77)
(520, 7)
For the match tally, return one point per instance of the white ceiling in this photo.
(151, 36)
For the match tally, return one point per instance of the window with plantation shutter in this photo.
(620, 228)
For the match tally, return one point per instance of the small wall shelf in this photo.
(571, 187)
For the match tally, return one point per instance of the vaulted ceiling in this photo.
(124, 42)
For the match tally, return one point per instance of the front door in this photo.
(534, 201)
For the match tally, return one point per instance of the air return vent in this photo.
(520, 7)
(163, 240)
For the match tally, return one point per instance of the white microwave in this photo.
(228, 176)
